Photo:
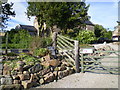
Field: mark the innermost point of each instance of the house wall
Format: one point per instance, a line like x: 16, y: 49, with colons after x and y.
x: 2, y: 34
x: 36, y: 25
x: 89, y: 27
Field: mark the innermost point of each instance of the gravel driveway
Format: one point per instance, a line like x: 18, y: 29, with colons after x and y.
x: 85, y: 80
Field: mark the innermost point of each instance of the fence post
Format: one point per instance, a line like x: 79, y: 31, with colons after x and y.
x: 6, y: 48
x: 77, y: 64
x: 1, y: 63
x: 55, y: 43
x: 82, y: 68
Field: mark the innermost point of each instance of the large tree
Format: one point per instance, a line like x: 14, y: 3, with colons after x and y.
x: 63, y: 14
x: 6, y: 11
x: 101, y: 32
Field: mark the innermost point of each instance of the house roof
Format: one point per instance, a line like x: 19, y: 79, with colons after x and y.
x: 26, y: 27
x: 89, y: 23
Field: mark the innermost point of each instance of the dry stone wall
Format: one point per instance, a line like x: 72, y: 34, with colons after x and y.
x: 38, y: 74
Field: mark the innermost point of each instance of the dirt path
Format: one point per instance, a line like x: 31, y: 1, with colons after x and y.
x: 85, y: 80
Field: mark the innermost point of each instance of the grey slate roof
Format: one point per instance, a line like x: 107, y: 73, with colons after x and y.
x: 89, y: 23
x: 27, y: 27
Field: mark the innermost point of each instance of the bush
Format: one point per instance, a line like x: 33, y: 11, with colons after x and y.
x: 12, y: 54
x: 86, y: 37
x: 40, y: 42
x: 41, y: 52
x: 17, y: 39
x: 11, y: 46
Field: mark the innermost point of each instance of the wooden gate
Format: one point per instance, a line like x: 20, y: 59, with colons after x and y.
x: 69, y: 49
x: 94, y: 62
x: 106, y: 63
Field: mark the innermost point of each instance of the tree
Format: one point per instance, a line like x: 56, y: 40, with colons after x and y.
x: 22, y: 38
x: 63, y: 14
x: 108, y: 34
x: 6, y: 11
x: 18, y: 38
x: 100, y: 31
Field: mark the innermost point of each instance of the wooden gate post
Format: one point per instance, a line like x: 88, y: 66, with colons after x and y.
x: 55, y: 43
x: 6, y: 48
x: 77, y: 64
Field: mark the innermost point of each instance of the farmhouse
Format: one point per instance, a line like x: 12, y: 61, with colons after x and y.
x: 34, y: 30
x: 31, y: 29
x: 2, y: 34
x: 116, y: 33
x: 89, y: 25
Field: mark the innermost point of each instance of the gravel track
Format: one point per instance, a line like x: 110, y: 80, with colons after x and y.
x: 85, y: 80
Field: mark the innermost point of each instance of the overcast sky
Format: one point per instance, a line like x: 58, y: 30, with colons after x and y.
x: 101, y: 12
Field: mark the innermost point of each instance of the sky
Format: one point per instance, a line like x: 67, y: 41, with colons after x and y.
x: 101, y: 12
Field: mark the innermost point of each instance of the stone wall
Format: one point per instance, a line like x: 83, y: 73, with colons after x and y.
x: 38, y: 74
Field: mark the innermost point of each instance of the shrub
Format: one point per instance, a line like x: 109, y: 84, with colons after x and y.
x: 12, y: 54
x: 40, y: 42
x: 41, y: 52
x: 86, y: 37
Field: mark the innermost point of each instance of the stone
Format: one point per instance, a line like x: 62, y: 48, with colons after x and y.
x: 56, y: 68
x: 1, y: 60
x: 55, y: 75
x: 6, y: 81
x: 60, y: 74
x: 14, y: 72
x: 41, y: 81
x: 15, y: 77
x: 21, y: 63
x: 24, y: 76
x: 27, y: 84
x: 34, y: 78
x: 71, y: 71
x: 35, y: 84
x: 49, y: 77
x: 54, y: 63
x: 44, y: 71
x: 19, y: 73
x: 1, y: 66
x: 1, y: 71
x: 26, y: 67
x: 20, y: 68
x: 47, y: 74
x: 6, y: 70
x: 16, y: 82
x: 36, y: 68
x: 45, y: 64
x: 65, y: 73
x: 25, y: 72
x: 11, y: 87
x: 47, y: 57
x: 102, y: 54
x: 62, y: 68
x: 7, y: 76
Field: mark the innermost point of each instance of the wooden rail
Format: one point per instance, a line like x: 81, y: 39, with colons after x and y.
x: 83, y: 62
x: 68, y: 48
x: 89, y: 63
